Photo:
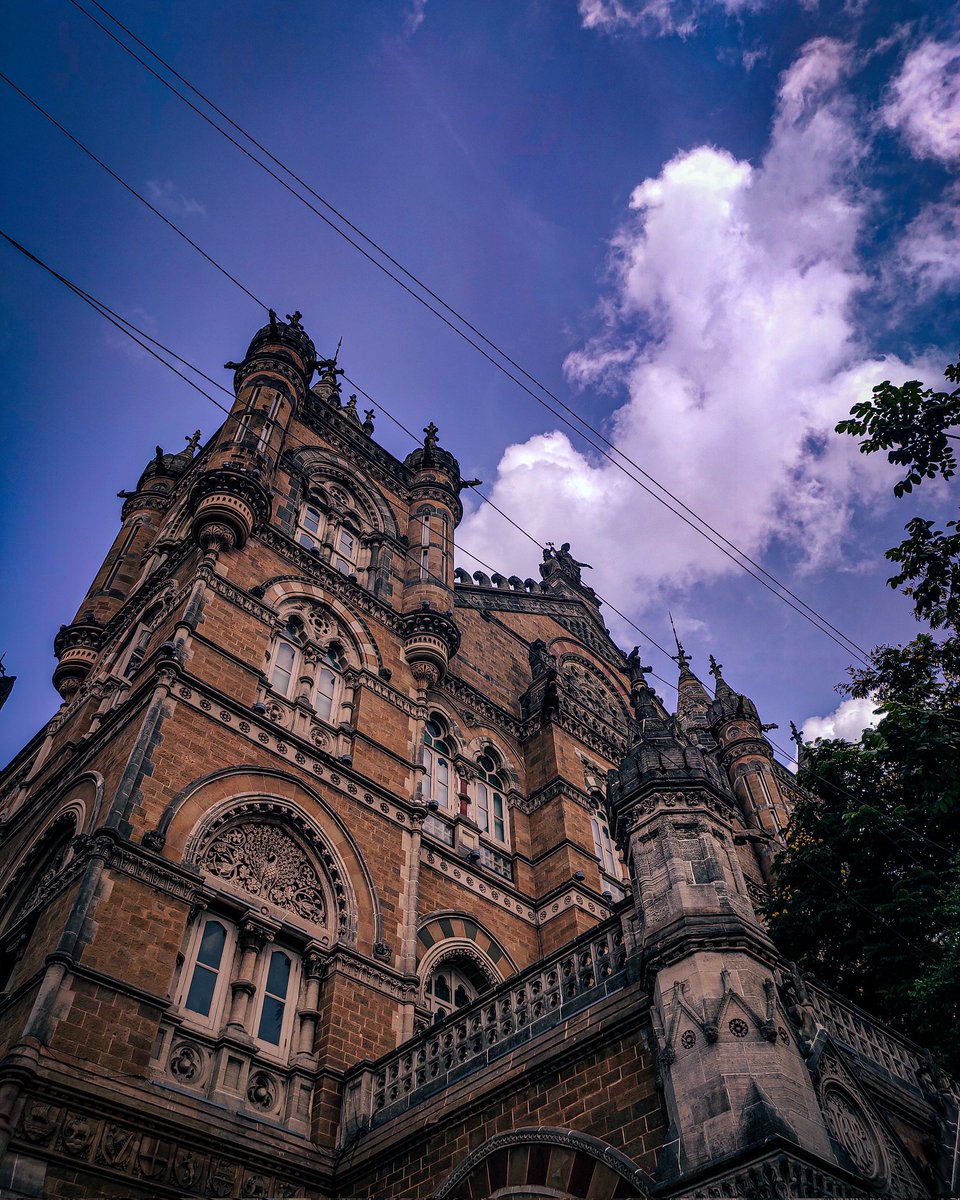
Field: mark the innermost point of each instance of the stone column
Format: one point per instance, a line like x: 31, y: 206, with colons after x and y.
x: 308, y: 1012
x: 253, y: 939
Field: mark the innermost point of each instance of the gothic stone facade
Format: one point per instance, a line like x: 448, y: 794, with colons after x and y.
x: 341, y: 873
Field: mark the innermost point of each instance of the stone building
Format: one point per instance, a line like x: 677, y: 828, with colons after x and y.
x: 342, y: 873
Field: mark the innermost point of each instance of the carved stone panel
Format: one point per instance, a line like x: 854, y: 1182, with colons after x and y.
x: 266, y: 862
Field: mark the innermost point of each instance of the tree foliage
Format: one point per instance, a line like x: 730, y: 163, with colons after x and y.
x: 868, y: 891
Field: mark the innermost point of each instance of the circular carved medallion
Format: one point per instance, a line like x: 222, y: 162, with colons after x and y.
x: 851, y: 1129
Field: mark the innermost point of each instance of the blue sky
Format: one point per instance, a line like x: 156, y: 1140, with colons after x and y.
x: 709, y: 227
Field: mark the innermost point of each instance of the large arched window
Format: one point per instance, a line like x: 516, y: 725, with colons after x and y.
x: 304, y: 651
x: 436, y: 763
x: 489, y: 805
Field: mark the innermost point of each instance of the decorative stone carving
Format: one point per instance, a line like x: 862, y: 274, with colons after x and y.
x: 186, y: 1063
x: 265, y: 861
x: 116, y: 1147
x: 851, y: 1129
x: 262, y: 1091
x: 77, y: 1134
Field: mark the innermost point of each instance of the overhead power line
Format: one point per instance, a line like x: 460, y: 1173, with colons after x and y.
x: 141, y: 338
x: 739, y: 557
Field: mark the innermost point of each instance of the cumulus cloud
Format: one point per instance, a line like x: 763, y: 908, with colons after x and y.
x: 655, y: 16
x: 928, y: 255
x: 848, y: 721
x: 924, y: 101
x: 165, y: 194
x: 729, y: 329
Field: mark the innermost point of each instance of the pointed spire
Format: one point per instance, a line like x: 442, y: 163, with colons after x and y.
x: 693, y: 699
x: 723, y: 688
x: 681, y: 658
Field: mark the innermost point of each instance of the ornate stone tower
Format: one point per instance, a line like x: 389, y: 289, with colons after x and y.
x: 311, y: 889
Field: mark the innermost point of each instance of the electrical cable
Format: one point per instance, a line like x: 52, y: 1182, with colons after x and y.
x: 449, y: 308
x: 121, y: 324
x: 802, y: 608
x: 123, y: 183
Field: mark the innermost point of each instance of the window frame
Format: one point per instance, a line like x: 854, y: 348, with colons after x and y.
x: 291, y: 998
x: 495, y: 823
x: 214, y: 1017
x: 436, y: 754
x: 604, y: 849
x: 330, y: 660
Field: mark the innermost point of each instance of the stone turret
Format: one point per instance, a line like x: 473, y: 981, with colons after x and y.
x: 731, y: 1084
x: 231, y: 497
x: 77, y: 645
x: 431, y: 637
x: 747, y: 757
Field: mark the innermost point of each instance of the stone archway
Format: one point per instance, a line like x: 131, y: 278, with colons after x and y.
x: 545, y: 1164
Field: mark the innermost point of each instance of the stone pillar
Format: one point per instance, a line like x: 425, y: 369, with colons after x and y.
x: 308, y: 1012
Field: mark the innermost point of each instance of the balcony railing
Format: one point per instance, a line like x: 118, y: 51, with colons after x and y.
x: 861, y: 1034
x: 517, y: 1011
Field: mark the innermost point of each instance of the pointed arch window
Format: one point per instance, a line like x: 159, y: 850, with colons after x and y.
x: 328, y: 520
x: 449, y: 988
x: 436, y: 762
x: 490, y: 809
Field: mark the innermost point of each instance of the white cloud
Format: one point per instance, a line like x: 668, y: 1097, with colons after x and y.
x: 928, y: 255
x: 655, y: 16
x: 415, y: 17
x: 848, y: 721
x: 729, y: 329
x: 924, y: 101
x: 165, y: 194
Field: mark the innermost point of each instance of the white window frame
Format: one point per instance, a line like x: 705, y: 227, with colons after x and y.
x: 448, y: 1006
x: 221, y: 991
x: 290, y: 1003
x: 307, y: 536
x: 486, y: 799
x: 604, y: 848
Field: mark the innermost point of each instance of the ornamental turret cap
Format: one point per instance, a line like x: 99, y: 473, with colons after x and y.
x: 289, y: 333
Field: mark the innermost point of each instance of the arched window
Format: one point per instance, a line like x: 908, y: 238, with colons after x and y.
x: 490, y: 810
x: 309, y: 527
x: 297, y: 653
x: 436, y: 763
x: 450, y: 987
x: 327, y: 519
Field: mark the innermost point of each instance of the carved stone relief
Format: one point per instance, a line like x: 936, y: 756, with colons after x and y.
x: 848, y: 1124
x: 264, y: 861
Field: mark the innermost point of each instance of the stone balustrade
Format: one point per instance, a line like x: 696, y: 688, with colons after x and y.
x: 863, y: 1035
x: 517, y: 1011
